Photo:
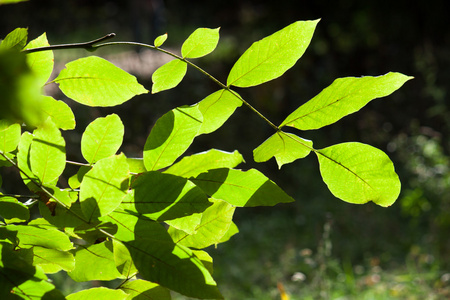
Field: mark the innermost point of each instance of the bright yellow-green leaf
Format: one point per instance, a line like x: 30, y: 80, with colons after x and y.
x: 168, y: 75
x: 160, y: 40
x: 200, y: 43
x: 359, y: 173
x: 16, y: 39
x: 343, y: 97
x: 141, y: 289
x: 191, y: 166
x: 285, y: 147
x: 171, y: 136
x: 41, y: 63
x: 75, y: 180
x: 52, y: 261
x: 102, y: 138
x: 216, y: 109
x: 9, y: 136
x: 241, y: 188
x: 100, y: 293
x: 59, y: 112
x: 11, y: 1
x: 94, y: 81
x: 47, y: 153
x: 30, y: 236
x: 23, y: 160
x: 272, y: 56
x: 122, y: 258
x: 104, y: 186
x: 187, y: 224
x: 13, y: 211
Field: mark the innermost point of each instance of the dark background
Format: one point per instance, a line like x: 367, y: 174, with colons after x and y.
x: 318, y: 236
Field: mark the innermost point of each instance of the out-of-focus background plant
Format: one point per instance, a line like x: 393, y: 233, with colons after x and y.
x: 317, y: 247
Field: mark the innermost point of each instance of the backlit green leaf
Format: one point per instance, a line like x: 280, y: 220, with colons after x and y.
x: 168, y: 75
x: 160, y: 40
x: 102, y: 138
x: 343, y: 97
x: 13, y: 211
x: 94, y: 81
x: 216, y: 109
x: 95, y: 262
x: 187, y: 224
x: 104, y: 186
x: 75, y: 180
x: 163, y: 197
x: 9, y: 136
x: 241, y: 188
x: 122, y: 258
x: 136, y: 165
x: 286, y: 147
x: 171, y: 136
x: 48, y: 153
x: 16, y: 39
x: 231, y: 231
x: 191, y: 166
x: 30, y: 236
x: 358, y: 173
x: 52, y: 261
x: 200, y: 43
x: 59, y: 112
x: 272, y: 56
x: 142, y: 290
x: 216, y: 221
x: 100, y: 293
x: 23, y: 160
x: 41, y: 63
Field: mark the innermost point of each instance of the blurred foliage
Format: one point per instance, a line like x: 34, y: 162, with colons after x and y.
x: 353, y: 38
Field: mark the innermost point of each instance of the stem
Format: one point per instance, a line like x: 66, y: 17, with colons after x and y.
x: 77, y: 163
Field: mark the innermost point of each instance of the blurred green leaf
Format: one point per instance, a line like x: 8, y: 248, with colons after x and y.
x: 343, y: 97
x: 104, y: 186
x: 359, y: 173
x: 11, y: 1
x: 216, y: 109
x: 99, y: 293
x: 272, y: 56
x: 286, y: 147
x: 200, y: 43
x: 102, y: 138
x: 191, y: 166
x: 241, y: 188
x: 94, y: 81
x: 168, y: 75
x: 171, y: 136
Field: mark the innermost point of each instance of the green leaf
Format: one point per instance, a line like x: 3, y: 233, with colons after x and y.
x: 9, y: 136
x: 16, y: 39
x: 216, y: 109
x: 52, y: 261
x: 136, y: 165
x: 160, y: 40
x: 102, y: 138
x: 187, y: 224
x: 205, y: 258
x: 59, y: 112
x: 159, y: 259
x: 358, y: 173
x: 231, y: 231
x: 48, y: 153
x: 122, y: 259
x: 191, y: 166
x: 30, y: 236
x: 241, y: 188
x: 41, y: 63
x: 75, y: 180
x: 23, y: 160
x: 343, y: 97
x: 168, y: 75
x: 13, y: 211
x: 171, y: 136
x: 104, y: 187
x: 286, y: 147
x: 59, y: 216
x: 145, y: 290
x: 200, y: 43
x: 94, y: 81
x: 100, y: 293
x: 10, y: 1
x: 164, y: 196
x: 95, y: 262
x: 216, y: 221
x: 272, y: 56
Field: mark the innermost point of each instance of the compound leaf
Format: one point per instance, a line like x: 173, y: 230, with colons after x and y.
x: 241, y: 188
x: 272, y: 56
x: 286, y: 147
x: 200, y: 43
x: 172, y: 134
x: 94, y: 81
x: 168, y: 75
x: 343, y: 97
x: 358, y: 173
x: 102, y: 138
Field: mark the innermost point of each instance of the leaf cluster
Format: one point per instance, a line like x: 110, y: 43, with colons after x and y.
x: 154, y: 216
